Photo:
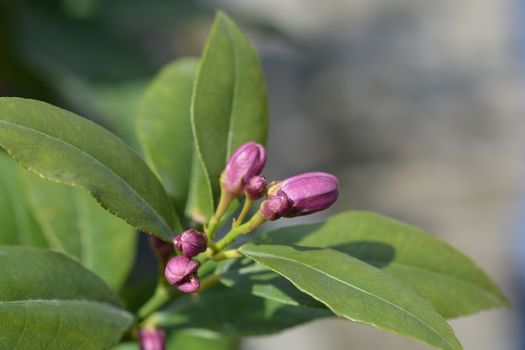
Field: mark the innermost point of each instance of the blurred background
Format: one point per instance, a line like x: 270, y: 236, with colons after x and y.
x: 417, y: 106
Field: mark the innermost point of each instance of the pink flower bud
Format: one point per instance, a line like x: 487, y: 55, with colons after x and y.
x: 256, y: 187
x: 151, y: 339
x: 247, y: 161
x: 191, y: 242
x: 180, y: 268
x: 275, y: 207
x: 189, y: 284
x: 308, y: 193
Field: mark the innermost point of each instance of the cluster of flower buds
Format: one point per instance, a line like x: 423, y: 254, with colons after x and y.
x: 181, y: 271
x: 298, y: 195
x: 151, y: 339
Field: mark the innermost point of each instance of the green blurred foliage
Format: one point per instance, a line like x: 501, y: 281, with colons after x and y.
x: 90, y: 56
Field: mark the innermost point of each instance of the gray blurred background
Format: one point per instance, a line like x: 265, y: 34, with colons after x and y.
x: 417, y: 106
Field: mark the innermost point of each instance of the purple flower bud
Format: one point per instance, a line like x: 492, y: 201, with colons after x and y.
x: 247, y: 161
x: 191, y: 242
x: 308, y: 193
x: 180, y: 267
x: 256, y: 187
x: 151, y: 339
x: 189, y: 284
x: 275, y: 207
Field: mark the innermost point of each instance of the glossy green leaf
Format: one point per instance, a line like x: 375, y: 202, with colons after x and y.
x: 17, y: 223
x: 436, y: 271
x: 48, y: 301
x: 229, y: 104
x: 200, y: 207
x: 164, y: 127
x: 73, y: 222
x: 233, y: 312
x: 63, y: 147
x: 258, y: 280
x: 356, y: 291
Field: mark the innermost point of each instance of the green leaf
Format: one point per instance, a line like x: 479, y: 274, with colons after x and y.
x: 233, y: 312
x: 356, y: 291
x: 439, y: 273
x: 229, y: 104
x: 255, y: 278
x: 17, y: 223
x: 164, y: 127
x: 74, y: 223
x: 63, y: 147
x: 48, y: 301
x: 200, y: 206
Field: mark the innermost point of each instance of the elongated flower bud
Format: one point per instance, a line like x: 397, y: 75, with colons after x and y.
x: 307, y: 193
x: 179, y: 268
x: 275, y: 207
x: 247, y: 161
x: 151, y: 339
x: 256, y: 187
x: 191, y: 242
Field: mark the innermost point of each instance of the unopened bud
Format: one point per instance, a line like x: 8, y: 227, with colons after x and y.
x: 179, y: 268
x: 275, y: 207
x: 247, y: 161
x: 151, y: 339
x: 256, y: 187
x: 191, y: 242
x: 189, y: 284
x: 307, y: 193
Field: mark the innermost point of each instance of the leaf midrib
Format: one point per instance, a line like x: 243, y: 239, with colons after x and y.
x: 143, y: 203
x: 263, y: 255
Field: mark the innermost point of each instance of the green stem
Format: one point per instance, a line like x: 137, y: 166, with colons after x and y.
x: 224, y: 203
x: 162, y: 296
x: 245, y: 210
x: 227, y: 254
x: 235, y: 232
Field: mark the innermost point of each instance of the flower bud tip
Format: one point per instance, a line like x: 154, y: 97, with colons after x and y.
x: 256, y: 187
x: 247, y: 161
